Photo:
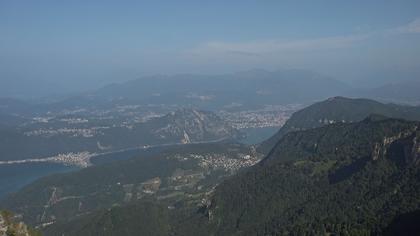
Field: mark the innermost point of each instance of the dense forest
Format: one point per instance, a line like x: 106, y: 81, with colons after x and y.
x: 339, y: 110
x: 346, y: 179
x: 342, y: 179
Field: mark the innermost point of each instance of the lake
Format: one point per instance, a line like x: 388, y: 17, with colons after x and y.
x: 257, y: 135
x: 15, y: 176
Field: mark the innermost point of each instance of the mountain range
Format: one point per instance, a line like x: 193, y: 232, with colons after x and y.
x: 356, y: 178
x: 396, y: 92
x: 246, y: 90
x: 209, y: 92
x: 336, y: 171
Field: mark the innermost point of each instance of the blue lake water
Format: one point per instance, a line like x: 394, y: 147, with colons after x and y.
x: 15, y: 176
x: 257, y: 135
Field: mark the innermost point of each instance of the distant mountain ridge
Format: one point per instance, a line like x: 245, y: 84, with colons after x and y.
x: 407, y: 90
x: 213, y: 92
x: 248, y: 88
x: 339, y: 110
x: 266, y: 87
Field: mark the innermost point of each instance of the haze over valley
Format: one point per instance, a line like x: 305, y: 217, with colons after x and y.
x: 211, y: 118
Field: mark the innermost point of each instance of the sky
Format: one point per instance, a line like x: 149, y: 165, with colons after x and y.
x: 86, y: 44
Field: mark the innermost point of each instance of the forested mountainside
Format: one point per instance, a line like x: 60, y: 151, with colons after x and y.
x: 346, y: 179
x: 358, y: 178
x: 339, y: 110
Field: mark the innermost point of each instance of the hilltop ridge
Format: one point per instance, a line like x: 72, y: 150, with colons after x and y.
x: 339, y: 110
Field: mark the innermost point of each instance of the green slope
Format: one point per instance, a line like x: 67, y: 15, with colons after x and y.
x: 147, y: 218
x: 340, y: 179
x: 186, y: 173
x: 343, y: 179
x: 339, y: 110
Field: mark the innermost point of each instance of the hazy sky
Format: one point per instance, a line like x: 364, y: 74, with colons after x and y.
x: 67, y: 42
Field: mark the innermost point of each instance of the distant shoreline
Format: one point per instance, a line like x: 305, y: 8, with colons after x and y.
x: 82, y: 159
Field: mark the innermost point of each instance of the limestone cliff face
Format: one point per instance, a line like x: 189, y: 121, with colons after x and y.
x: 408, y: 142
x: 381, y: 148
x: 195, y: 126
x: 412, y: 150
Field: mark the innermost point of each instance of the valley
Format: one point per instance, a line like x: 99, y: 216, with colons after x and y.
x: 78, y: 138
x: 195, y: 179
x: 73, y: 136
x: 209, y: 118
